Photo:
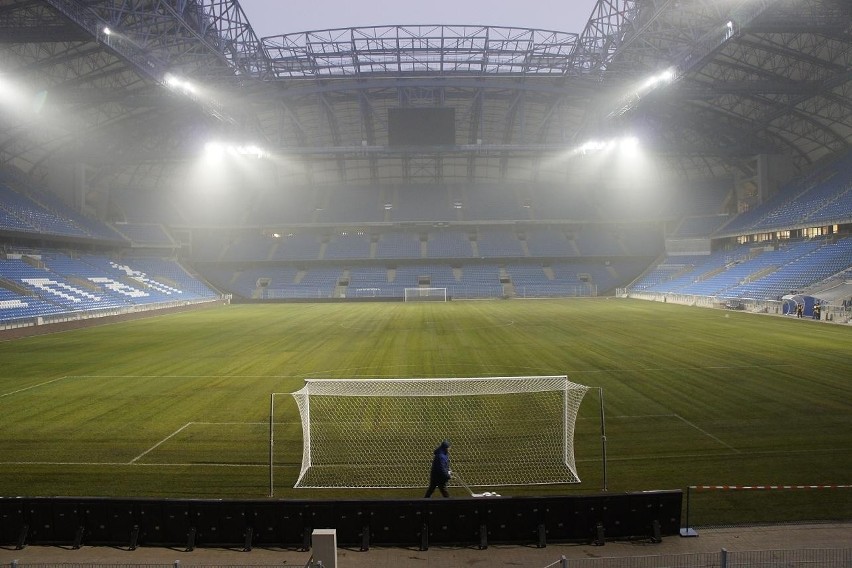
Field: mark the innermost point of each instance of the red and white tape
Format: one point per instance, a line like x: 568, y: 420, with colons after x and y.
x: 763, y: 487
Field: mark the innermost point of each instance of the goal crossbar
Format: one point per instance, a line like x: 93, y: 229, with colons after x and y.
x: 435, y: 387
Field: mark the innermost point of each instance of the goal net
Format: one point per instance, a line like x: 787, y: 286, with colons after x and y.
x: 382, y: 432
x: 425, y: 294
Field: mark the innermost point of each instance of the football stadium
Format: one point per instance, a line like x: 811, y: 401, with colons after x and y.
x: 252, y: 287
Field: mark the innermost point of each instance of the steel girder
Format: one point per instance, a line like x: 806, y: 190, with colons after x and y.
x: 760, y: 84
x: 204, y: 39
x: 95, y: 80
x: 748, y: 65
x: 421, y: 50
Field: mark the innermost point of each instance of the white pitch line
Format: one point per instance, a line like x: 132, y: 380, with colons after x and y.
x: 625, y: 416
x: 841, y: 451
x: 183, y: 376
x: 706, y: 433
x: 164, y: 440
x: 711, y: 368
x: 230, y: 423
x: 61, y: 463
x: 32, y: 387
x: 208, y: 464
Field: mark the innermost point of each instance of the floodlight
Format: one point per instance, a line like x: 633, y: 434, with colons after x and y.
x: 214, y: 149
x: 628, y: 143
x: 592, y: 145
x: 665, y: 77
x: 251, y: 150
x: 179, y: 84
x: 107, y: 31
x: 649, y: 83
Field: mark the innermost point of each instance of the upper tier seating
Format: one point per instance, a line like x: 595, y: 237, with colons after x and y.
x: 819, y: 196
x: 348, y: 246
x: 451, y: 243
x: 550, y: 241
x: 498, y: 242
x: 26, y: 208
x: 398, y: 245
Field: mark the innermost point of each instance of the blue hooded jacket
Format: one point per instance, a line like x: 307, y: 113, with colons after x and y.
x: 440, y: 472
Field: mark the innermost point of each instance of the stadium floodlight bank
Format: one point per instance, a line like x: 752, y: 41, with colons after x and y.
x: 380, y: 433
x: 425, y: 294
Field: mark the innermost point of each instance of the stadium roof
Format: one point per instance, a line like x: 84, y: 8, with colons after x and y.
x: 133, y: 90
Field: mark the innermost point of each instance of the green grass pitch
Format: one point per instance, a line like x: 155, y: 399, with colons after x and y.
x: 177, y: 405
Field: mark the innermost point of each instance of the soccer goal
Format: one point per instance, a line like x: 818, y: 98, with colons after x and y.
x: 381, y: 433
x: 425, y: 294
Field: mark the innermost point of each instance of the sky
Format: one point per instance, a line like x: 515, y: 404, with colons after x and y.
x: 277, y: 17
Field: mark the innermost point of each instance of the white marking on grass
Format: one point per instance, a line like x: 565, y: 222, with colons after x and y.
x: 179, y: 430
x: 705, y: 432
x: 678, y: 416
x: 229, y: 423
x: 711, y: 367
x: 182, y: 376
x: 211, y: 464
x: 624, y: 416
x: 432, y: 323
x: 61, y: 463
x: 158, y: 444
x: 352, y: 372
x: 126, y: 464
x: 32, y: 386
x: 841, y: 451
x: 609, y: 458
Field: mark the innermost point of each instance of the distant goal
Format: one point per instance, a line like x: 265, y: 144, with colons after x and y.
x: 380, y: 433
x: 425, y: 294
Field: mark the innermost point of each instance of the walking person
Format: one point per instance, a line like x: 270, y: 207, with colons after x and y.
x: 440, y: 473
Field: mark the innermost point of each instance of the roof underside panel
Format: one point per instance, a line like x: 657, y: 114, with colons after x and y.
x: 747, y: 77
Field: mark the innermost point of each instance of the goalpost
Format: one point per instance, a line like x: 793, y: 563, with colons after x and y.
x: 425, y: 295
x: 380, y: 433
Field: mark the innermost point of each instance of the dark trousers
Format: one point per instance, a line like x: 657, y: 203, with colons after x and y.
x: 439, y: 485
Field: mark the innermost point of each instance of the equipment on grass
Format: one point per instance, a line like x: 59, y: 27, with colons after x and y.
x: 381, y: 432
x: 425, y: 295
x: 469, y: 490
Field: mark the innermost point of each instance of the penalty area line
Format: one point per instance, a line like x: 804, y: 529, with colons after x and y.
x: 32, y: 387
x: 161, y: 442
x: 706, y: 433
